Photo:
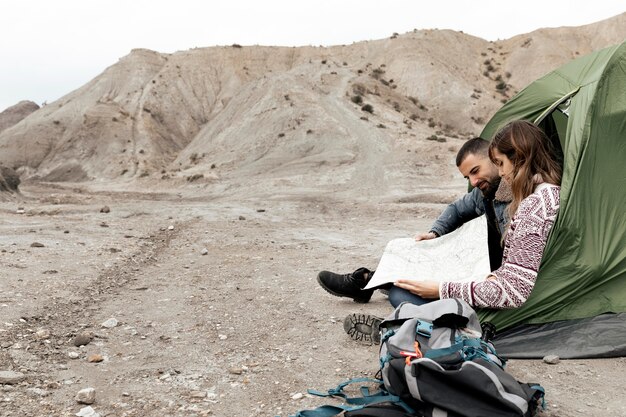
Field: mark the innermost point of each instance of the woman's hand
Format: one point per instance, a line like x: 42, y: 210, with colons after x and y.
x: 425, y: 289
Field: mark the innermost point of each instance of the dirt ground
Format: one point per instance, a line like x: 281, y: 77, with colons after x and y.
x: 217, y: 305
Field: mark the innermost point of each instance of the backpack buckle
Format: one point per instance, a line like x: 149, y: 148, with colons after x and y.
x: 423, y: 328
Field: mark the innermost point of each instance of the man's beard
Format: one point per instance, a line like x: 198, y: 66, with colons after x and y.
x: 490, y: 191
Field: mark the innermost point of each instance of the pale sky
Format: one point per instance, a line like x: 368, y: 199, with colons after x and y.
x: 51, y: 47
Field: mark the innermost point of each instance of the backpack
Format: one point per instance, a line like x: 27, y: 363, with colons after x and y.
x: 435, y: 363
x: 433, y: 358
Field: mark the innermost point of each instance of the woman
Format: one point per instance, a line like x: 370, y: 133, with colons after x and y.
x: 525, y: 159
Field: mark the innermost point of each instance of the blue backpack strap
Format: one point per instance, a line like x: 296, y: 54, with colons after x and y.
x: 338, y: 391
x: 324, y: 411
x: 381, y: 396
x: 541, y: 393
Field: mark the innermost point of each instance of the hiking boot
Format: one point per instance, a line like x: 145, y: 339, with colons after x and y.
x: 347, y: 285
x: 363, y: 327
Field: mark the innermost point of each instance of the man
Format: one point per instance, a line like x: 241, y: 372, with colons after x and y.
x: 487, y: 197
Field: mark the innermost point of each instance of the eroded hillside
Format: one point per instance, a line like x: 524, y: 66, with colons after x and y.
x: 342, y: 118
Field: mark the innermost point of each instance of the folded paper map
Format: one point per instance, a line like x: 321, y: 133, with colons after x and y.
x: 456, y: 256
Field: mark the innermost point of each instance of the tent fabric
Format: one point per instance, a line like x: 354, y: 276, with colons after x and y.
x: 583, y: 269
x: 594, y: 337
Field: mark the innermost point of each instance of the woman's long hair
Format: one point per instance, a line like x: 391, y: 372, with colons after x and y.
x: 532, y: 155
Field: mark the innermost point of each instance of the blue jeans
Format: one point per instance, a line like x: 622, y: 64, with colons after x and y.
x: 398, y: 295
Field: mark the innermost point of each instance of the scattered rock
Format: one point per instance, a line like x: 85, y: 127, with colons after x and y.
x: 110, y: 323
x: 551, y: 359
x: 20, y: 210
x: 105, y: 209
x: 42, y: 334
x: 10, y: 377
x: 235, y: 371
x: 87, y: 412
x: 198, y: 394
x: 222, y: 337
x: 73, y: 355
x: 86, y: 396
x: 297, y: 396
x: 37, y: 245
x: 37, y: 392
x: 95, y: 358
x: 103, y: 224
x: 82, y: 339
x: 170, y: 227
x: 204, y: 251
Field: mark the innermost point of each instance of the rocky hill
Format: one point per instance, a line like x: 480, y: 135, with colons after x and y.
x: 348, y: 119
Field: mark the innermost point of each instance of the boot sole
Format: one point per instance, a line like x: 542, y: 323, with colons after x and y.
x: 363, y: 328
x: 331, y: 292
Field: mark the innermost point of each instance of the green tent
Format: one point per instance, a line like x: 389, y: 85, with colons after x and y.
x: 580, y: 291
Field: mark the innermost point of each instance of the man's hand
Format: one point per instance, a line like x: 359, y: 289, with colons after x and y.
x: 425, y: 289
x: 425, y: 236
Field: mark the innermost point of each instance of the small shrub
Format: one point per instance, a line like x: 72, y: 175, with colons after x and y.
x: 236, y: 45
x: 413, y: 117
x: 396, y: 106
x: 357, y: 99
x: 323, y: 61
x: 381, y: 126
x: 431, y: 123
x: 193, y: 158
x: 368, y: 108
x: 281, y: 135
x: 194, y: 177
x: 359, y: 89
x: 414, y: 100
x: 501, y: 86
x: 377, y: 72
x: 309, y: 131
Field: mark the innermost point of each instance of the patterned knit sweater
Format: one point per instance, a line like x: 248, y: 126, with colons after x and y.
x: 510, y: 285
